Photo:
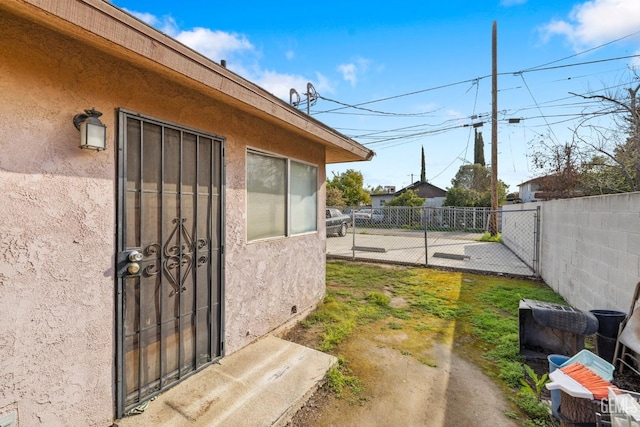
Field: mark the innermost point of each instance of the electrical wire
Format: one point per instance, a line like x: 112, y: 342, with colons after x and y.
x: 521, y: 72
x: 584, y: 51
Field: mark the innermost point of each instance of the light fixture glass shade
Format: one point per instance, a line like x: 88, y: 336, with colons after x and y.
x: 93, y: 135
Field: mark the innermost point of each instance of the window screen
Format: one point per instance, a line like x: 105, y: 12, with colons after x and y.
x: 303, y: 198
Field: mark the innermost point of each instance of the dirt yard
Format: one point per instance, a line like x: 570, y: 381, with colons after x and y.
x: 400, y: 390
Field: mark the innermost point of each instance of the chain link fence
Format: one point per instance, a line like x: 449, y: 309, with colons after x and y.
x: 456, y: 238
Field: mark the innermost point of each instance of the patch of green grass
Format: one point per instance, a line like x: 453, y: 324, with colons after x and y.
x: 533, y: 408
x: 400, y: 314
x: 340, y: 378
x: 392, y: 325
x: 510, y: 372
x: 487, y: 237
x: 511, y: 414
x: 491, y: 326
x: 336, y: 333
x: 378, y: 298
x: 428, y: 362
x: 436, y: 306
x: 340, y: 293
x: 507, y: 296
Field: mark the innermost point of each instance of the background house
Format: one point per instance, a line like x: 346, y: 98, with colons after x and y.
x: 381, y: 198
x: 435, y: 196
x: 528, y: 189
x: 127, y: 270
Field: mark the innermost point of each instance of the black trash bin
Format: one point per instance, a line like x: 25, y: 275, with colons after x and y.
x: 608, y: 324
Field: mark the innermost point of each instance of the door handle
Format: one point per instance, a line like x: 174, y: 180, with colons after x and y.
x: 129, y: 262
x: 134, y: 257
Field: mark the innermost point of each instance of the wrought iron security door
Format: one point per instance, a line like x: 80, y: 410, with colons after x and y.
x: 169, y: 257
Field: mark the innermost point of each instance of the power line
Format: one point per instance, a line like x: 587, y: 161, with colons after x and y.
x: 539, y: 109
x: 584, y: 51
x: 477, y: 79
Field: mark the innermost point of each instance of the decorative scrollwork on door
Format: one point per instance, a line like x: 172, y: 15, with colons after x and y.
x: 176, y: 259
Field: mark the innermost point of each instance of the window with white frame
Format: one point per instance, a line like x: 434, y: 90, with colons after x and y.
x: 281, y: 196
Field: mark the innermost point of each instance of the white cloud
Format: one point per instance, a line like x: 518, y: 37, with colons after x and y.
x: 165, y: 24
x: 240, y: 53
x: 352, y: 71
x: 215, y: 45
x: 595, y: 22
x: 348, y: 73
x: 144, y: 17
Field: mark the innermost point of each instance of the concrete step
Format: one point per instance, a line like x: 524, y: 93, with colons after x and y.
x: 263, y: 384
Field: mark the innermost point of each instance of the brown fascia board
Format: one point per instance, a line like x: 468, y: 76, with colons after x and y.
x: 101, y: 24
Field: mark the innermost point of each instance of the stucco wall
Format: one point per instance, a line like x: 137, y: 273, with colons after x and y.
x: 57, y: 338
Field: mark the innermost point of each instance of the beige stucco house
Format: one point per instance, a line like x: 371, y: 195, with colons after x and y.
x: 196, y: 231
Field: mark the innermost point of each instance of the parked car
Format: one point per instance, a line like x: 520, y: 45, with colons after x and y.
x: 337, y: 222
x: 369, y: 215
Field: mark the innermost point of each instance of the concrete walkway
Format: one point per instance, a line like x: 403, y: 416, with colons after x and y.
x: 263, y: 384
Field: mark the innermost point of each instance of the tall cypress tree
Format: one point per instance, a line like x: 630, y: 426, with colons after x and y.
x: 478, y: 149
x: 423, y: 171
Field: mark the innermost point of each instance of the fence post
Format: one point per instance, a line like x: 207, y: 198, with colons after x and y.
x: 426, y: 245
x: 536, y: 233
x: 353, y: 242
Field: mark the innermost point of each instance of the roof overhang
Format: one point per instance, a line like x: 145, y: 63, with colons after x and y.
x: 106, y: 27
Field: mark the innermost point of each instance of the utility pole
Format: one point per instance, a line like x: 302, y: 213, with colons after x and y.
x: 493, y: 224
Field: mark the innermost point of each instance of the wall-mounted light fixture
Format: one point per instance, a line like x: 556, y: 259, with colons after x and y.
x: 93, y: 134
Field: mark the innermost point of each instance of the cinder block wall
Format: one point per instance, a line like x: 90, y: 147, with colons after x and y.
x: 590, y: 249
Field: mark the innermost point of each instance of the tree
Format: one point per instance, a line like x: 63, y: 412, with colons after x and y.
x: 334, y: 198
x: 471, y: 187
x: 473, y: 177
x: 351, y: 184
x: 423, y: 170
x: 458, y: 196
x: 478, y: 149
x: 561, y: 165
x: 602, y: 176
x: 378, y: 190
x: 602, y: 157
x: 407, y: 198
x: 620, y: 144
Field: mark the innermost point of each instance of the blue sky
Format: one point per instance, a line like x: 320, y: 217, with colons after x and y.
x: 415, y: 74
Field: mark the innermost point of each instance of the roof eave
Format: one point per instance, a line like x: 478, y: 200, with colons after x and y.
x: 103, y: 25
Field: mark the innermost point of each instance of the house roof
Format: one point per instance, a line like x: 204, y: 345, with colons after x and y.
x: 424, y: 190
x: 533, y: 180
x: 106, y: 27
